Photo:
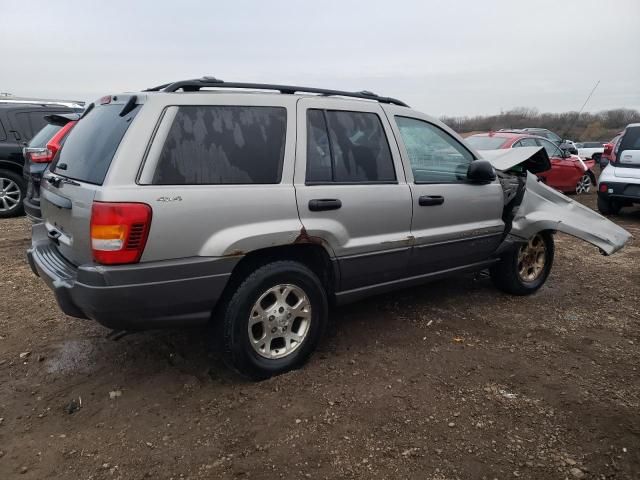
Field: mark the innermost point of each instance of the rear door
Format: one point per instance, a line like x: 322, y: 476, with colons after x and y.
x: 455, y: 223
x: 67, y: 191
x: 351, y: 190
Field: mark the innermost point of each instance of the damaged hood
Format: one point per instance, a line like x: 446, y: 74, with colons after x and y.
x: 543, y: 208
x: 531, y: 159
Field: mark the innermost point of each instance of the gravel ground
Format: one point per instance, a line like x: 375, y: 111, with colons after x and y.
x: 450, y: 380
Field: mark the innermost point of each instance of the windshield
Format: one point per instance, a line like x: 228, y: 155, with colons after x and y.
x: 43, y: 136
x: 92, y: 143
x: 486, y: 143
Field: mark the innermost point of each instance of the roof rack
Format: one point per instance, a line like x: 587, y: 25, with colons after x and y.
x: 211, y: 82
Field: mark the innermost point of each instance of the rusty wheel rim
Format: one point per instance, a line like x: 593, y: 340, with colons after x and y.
x: 532, y: 258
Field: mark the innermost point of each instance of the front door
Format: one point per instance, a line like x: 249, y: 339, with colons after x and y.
x: 455, y: 223
x: 351, y: 190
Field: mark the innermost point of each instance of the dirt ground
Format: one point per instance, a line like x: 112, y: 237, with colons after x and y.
x: 450, y: 380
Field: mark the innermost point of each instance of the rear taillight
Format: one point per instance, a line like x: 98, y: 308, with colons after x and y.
x: 119, y: 231
x: 46, y: 155
x: 603, y: 187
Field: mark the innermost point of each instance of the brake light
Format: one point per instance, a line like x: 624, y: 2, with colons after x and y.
x: 119, y: 231
x: 603, y: 187
x: 54, y: 145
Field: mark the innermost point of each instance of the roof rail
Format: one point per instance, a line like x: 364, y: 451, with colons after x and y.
x: 210, y: 82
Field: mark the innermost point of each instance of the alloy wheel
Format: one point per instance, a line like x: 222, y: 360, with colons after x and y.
x: 10, y: 195
x: 532, y: 258
x: 279, y: 321
x: 584, y: 184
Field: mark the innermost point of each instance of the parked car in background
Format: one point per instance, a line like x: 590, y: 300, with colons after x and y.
x: 39, y: 153
x: 619, y: 184
x: 553, y: 137
x: 593, y: 150
x: 608, y: 154
x: 19, y: 122
x: 255, y: 211
x: 568, y: 172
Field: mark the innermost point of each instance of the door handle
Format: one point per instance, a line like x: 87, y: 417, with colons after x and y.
x: 429, y: 200
x: 320, y: 204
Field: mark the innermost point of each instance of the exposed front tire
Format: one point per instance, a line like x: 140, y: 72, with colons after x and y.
x: 525, y: 268
x: 608, y: 206
x: 12, y: 191
x: 274, y: 320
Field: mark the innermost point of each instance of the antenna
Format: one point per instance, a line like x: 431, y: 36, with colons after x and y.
x: 578, y: 115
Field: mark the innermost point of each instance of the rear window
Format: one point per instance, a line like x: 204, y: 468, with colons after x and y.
x: 92, y: 143
x: 216, y: 145
x: 485, y: 143
x: 41, y: 138
x: 630, y: 140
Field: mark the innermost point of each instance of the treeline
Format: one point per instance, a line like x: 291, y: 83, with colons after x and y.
x: 571, y: 125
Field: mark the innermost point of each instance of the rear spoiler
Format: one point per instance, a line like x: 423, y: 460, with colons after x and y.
x: 61, y: 119
x: 531, y: 159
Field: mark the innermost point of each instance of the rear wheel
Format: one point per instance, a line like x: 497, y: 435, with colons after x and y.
x: 525, y: 268
x: 274, y: 320
x: 12, y: 190
x: 608, y: 206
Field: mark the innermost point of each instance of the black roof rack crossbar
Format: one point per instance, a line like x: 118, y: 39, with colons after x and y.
x: 210, y: 82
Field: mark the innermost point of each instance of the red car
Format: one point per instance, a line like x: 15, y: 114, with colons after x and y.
x: 568, y: 173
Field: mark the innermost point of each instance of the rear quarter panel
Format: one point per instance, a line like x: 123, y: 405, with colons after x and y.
x: 204, y: 220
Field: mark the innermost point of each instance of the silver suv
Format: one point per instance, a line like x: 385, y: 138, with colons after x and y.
x: 256, y: 207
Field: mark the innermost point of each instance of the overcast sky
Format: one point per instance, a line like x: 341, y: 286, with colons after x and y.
x: 442, y: 57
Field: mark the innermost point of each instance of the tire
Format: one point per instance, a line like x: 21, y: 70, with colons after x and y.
x: 12, y: 192
x: 511, y: 274
x: 584, y: 184
x: 608, y: 206
x: 285, y: 282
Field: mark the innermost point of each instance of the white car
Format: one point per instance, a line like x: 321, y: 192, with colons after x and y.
x: 592, y: 150
x: 619, y: 183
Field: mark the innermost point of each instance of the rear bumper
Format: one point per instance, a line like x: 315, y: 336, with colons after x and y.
x: 172, y: 293
x: 621, y: 190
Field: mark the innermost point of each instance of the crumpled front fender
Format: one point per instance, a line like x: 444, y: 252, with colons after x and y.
x: 543, y: 208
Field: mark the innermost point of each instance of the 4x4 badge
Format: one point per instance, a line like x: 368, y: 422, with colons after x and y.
x: 169, y: 199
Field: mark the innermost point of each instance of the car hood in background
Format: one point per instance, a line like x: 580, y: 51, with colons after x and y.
x: 530, y: 159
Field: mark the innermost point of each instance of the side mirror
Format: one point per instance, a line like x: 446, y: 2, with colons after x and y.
x: 481, y: 172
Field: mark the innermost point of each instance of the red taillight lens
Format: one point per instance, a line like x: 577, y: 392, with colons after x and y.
x: 119, y: 231
x: 43, y: 155
x: 603, y: 187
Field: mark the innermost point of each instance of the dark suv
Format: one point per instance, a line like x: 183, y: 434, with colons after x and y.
x: 19, y: 122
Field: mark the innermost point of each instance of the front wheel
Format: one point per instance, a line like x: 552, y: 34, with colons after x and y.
x: 274, y: 320
x: 12, y: 190
x: 525, y: 268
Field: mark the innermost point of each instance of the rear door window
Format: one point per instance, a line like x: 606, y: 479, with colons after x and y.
x: 347, y: 147
x: 93, y: 142
x: 551, y: 148
x: 216, y: 145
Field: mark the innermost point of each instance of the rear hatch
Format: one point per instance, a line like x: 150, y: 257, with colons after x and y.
x: 79, y: 170
x: 628, y: 154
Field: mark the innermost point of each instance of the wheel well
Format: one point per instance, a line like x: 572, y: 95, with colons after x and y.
x: 314, y: 256
x: 11, y: 167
